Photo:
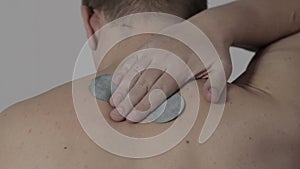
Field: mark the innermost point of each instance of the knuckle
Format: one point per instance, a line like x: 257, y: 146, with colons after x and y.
x: 143, y: 106
x: 136, y: 94
x: 121, y: 92
x: 135, y: 71
x: 133, y: 99
x: 127, y: 104
x: 127, y: 65
x: 143, y: 83
x: 163, y: 87
x: 125, y: 84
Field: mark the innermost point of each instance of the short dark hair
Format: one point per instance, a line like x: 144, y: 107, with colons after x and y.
x: 114, y: 9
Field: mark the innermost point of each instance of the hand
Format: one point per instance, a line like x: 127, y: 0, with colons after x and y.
x: 139, y: 77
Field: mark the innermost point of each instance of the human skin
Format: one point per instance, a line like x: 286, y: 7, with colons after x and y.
x: 245, y: 23
x: 259, y: 129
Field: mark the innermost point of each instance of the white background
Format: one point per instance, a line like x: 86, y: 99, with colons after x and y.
x: 40, y: 41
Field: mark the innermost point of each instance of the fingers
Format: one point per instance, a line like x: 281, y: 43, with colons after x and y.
x: 148, y: 104
x: 160, y: 91
x: 136, y: 93
x: 215, y: 86
x: 213, y: 89
x: 121, y: 72
x: 127, y: 79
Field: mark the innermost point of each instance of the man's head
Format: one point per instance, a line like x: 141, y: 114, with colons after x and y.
x: 117, y: 8
x: 97, y: 13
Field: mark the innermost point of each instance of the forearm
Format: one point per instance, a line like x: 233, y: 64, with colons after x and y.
x: 252, y: 23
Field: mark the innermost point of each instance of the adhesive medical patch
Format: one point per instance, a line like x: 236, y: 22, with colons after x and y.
x: 102, y: 88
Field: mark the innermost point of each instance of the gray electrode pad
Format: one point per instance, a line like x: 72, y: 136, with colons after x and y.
x: 102, y: 88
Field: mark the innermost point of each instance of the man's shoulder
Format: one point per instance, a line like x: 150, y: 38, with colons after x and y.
x: 41, y: 126
x: 57, y: 98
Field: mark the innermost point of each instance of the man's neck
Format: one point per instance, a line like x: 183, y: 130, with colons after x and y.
x: 112, y: 35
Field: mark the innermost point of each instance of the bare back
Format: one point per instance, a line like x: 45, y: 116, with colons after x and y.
x: 259, y: 129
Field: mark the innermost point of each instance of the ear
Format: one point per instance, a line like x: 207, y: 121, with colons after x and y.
x: 87, y: 15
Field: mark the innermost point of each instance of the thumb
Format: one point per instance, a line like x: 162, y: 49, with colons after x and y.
x: 214, y: 89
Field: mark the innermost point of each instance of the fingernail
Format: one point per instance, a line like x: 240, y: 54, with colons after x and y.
x: 116, y: 98
x: 214, y: 95
x: 114, y: 115
x: 117, y: 79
